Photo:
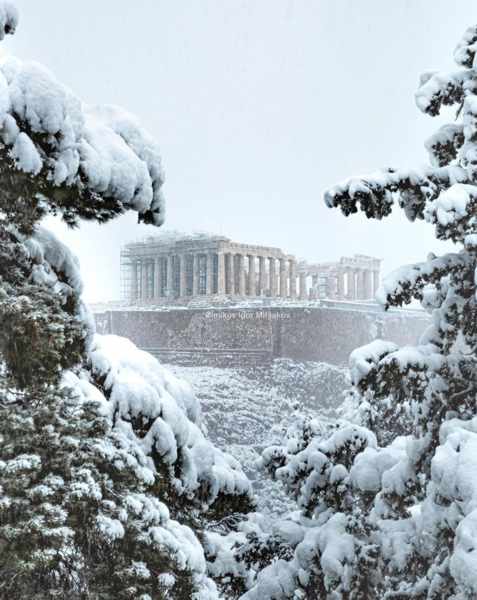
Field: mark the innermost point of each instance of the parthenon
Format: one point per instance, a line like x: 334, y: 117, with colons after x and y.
x: 175, y: 268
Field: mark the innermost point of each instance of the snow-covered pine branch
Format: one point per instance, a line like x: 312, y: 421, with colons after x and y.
x: 83, y: 162
x: 411, y: 282
x: 161, y: 414
x: 464, y: 54
x: 376, y: 195
x: 444, y: 145
x: 8, y: 19
x: 442, y: 89
x: 453, y: 213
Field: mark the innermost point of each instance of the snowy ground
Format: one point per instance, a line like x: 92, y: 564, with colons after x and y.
x: 246, y: 409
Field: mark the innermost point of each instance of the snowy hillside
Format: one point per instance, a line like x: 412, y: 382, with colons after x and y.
x: 248, y: 409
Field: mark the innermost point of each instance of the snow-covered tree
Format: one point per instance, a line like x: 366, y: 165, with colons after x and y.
x: 435, y: 383
x: 392, y: 514
x: 107, y: 480
x: 324, y: 548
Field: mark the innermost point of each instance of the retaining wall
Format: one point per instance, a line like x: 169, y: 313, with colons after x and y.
x: 325, y: 333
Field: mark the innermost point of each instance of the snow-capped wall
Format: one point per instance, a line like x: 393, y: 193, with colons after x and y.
x: 317, y: 334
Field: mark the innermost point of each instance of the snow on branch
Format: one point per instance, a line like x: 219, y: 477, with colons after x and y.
x: 464, y: 54
x: 375, y: 195
x: 52, y: 258
x: 388, y: 369
x: 91, y: 162
x: 441, y: 89
x: 364, y: 359
x: 469, y: 151
x: 453, y: 213
x: 408, y: 282
x: 8, y: 19
x: 444, y: 145
x: 452, y: 494
x: 323, y: 465
x: 162, y: 414
x: 139, y: 510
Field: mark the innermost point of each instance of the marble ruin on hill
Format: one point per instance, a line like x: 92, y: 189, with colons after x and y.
x: 175, y: 268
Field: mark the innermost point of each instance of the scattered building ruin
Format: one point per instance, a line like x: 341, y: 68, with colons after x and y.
x: 351, y: 278
x: 175, y: 268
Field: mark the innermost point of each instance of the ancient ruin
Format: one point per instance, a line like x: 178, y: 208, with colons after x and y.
x: 176, y: 268
x: 223, y: 336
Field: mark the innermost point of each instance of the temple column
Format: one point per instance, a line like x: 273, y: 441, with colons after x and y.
x: 169, y: 277
x: 303, y: 290
x: 332, y: 285
x: 229, y: 274
x: 262, y: 276
x: 182, y: 275
x: 134, y: 286
x: 340, y: 285
x: 209, y: 282
x: 252, y: 281
x: 156, y: 278
x: 292, y: 266
x: 221, y: 273
x: 360, y: 293
x: 351, y: 284
x: 375, y: 282
x: 240, y: 275
x: 143, y: 280
x: 368, y: 284
x: 283, y: 278
x: 315, y: 292
x: 195, y: 275
x: 273, y: 277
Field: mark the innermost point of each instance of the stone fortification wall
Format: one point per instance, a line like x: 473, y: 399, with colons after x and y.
x: 325, y: 333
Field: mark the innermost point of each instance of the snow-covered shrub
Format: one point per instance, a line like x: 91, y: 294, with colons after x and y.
x: 107, y: 480
x: 392, y: 514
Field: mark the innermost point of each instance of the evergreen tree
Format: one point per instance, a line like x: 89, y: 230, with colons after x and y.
x: 392, y: 514
x: 106, y: 478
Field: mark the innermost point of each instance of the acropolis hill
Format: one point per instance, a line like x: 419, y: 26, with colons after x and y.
x: 204, y: 299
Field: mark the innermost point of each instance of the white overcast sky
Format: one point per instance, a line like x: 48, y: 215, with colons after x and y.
x: 258, y: 106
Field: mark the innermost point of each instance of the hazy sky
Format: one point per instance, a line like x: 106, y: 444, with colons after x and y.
x: 258, y: 106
